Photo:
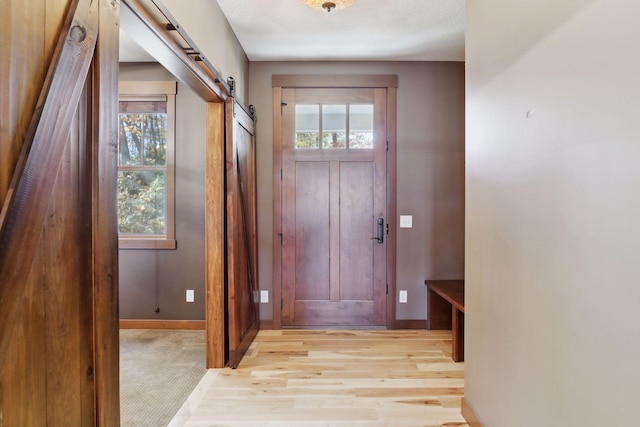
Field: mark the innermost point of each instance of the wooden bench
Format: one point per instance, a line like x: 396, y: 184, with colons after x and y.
x: 445, y: 305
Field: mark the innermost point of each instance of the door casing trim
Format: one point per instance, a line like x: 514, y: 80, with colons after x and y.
x: 388, y: 82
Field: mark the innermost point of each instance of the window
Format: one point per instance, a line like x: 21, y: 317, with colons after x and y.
x: 146, y: 132
x: 346, y: 126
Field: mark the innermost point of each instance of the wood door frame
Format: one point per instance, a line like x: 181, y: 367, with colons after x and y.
x: 296, y: 81
x: 144, y: 25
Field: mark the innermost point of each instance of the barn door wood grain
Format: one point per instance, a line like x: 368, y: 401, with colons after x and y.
x: 242, y: 249
x: 58, y: 247
x: 334, y: 223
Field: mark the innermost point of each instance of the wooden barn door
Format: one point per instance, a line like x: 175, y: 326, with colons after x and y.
x: 58, y: 238
x: 242, y: 249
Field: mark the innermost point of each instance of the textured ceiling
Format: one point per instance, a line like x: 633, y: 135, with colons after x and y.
x: 386, y: 30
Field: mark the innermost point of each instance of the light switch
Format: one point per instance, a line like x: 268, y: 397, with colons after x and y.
x: 406, y: 221
x: 264, y: 297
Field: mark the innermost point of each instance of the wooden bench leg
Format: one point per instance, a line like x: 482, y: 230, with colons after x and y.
x: 438, y: 311
x: 457, y: 332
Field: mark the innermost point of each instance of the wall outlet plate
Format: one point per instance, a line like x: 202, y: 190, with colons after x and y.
x: 264, y: 297
x: 402, y: 297
x: 190, y: 295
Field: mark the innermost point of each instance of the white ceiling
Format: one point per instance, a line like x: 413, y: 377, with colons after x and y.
x: 377, y: 30
x: 384, y: 30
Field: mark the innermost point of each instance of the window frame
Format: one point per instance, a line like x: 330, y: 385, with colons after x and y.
x: 151, y: 91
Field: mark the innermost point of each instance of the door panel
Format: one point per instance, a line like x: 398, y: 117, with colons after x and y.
x: 312, y: 237
x: 357, y: 227
x: 333, y: 192
x: 339, y: 313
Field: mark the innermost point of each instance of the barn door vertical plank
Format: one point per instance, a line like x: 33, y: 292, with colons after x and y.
x: 64, y: 263
x: 105, y: 233
x: 22, y: 390
x: 87, y: 394
x: 20, y: 31
x: 24, y: 210
x: 235, y: 276
x: 242, y: 272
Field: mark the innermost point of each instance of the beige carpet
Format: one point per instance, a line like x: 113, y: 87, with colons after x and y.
x: 158, y: 371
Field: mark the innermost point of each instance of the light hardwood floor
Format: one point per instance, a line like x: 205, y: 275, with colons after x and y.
x: 334, y: 378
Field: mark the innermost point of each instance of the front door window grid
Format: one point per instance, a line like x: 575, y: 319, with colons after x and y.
x: 342, y: 126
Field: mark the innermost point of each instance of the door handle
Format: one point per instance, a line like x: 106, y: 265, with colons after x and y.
x: 380, y: 236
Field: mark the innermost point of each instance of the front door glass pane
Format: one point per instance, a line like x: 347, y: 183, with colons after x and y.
x: 360, y: 126
x: 334, y: 126
x: 307, y: 126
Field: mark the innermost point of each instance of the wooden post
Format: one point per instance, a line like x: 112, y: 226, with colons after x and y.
x: 215, y: 238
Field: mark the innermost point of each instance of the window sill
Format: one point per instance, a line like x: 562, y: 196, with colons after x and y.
x: 135, y: 243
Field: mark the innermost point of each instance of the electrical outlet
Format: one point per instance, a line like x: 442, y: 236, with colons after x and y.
x: 264, y: 297
x: 402, y: 298
x: 190, y: 295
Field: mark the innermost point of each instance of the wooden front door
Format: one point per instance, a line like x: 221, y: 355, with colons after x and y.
x: 334, y: 223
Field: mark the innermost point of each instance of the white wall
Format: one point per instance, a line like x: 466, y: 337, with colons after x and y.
x: 552, y: 210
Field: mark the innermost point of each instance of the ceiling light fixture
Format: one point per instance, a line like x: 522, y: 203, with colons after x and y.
x: 328, y: 5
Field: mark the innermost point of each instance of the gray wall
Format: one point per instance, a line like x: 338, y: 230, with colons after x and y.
x: 430, y: 168
x: 208, y: 28
x: 150, y: 277
x: 552, y: 236
x: 165, y: 275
